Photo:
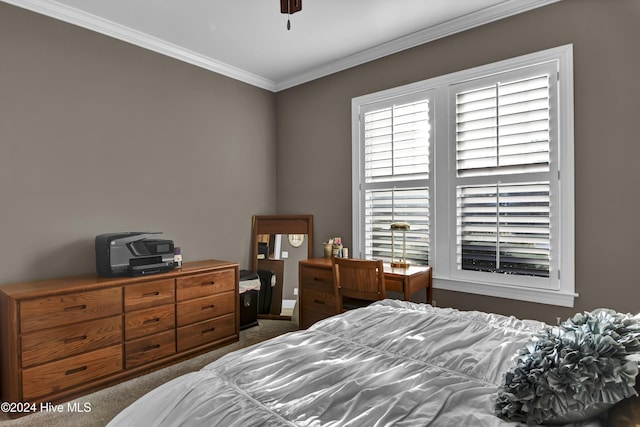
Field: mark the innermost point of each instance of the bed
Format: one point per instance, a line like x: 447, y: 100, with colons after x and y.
x: 391, y: 363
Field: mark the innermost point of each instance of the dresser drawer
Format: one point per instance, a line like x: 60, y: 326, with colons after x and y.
x: 70, y: 372
x: 60, y: 310
x: 318, y: 278
x: 193, y: 311
x: 149, y: 321
x: 200, y: 285
x: 321, y: 302
x: 52, y: 344
x: 143, y: 350
x: 206, y: 332
x: 148, y: 294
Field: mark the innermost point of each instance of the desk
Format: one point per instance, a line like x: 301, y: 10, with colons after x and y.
x: 317, y: 299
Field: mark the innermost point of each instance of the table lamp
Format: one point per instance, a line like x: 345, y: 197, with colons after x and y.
x: 402, y: 261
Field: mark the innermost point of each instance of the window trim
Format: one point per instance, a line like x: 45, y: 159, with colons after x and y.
x: 441, y: 252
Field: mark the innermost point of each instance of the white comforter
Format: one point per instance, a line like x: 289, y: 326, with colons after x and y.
x: 392, y: 363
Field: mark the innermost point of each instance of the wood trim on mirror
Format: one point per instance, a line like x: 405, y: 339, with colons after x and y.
x: 281, y: 224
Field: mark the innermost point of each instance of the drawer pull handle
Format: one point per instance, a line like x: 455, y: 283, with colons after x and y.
x: 206, y: 331
x: 211, y: 283
x: 151, y: 347
x: 208, y: 307
x: 76, y: 307
x: 76, y: 370
x: 148, y: 321
x: 320, y: 279
x: 74, y: 339
x: 319, y: 301
x: 151, y: 294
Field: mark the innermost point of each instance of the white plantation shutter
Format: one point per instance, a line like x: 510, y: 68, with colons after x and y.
x: 396, y: 143
x: 396, y: 173
x: 503, y: 132
x: 503, y: 128
x: 405, y: 205
x: 504, y: 228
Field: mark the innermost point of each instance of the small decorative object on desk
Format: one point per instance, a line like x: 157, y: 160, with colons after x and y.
x: 328, y: 249
x: 401, y: 262
x: 333, y: 247
x: 177, y: 257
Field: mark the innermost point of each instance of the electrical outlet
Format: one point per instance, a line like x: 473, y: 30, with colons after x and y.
x: 285, y: 254
x: 295, y: 291
x: 433, y: 303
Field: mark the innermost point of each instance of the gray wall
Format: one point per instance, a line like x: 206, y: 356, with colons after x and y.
x: 314, y: 139
x: 97, y: 136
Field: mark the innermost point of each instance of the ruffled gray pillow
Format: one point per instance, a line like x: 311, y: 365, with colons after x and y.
x: 574, y: 371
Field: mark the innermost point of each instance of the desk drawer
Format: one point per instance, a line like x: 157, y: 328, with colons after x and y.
x: 205, y: 308
x: 322, y: 302
x: 143, y: 350
x: 52, y: 344
x: 321, y: 278
x: 393, y: 284
x: 49, y: 312
x: 70, y: 372
x: 149, y: 294
x: 200, y: 285
x: 149, y: 321
x: 206, y: 332
x: 310, y: 317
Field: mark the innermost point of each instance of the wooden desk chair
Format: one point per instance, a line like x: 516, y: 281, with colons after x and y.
x: 357, y: 282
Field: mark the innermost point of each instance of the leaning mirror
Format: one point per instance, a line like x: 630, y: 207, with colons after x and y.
x: 279, y: 243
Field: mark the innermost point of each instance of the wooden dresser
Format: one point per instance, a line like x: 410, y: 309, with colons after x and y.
x: 67, y: 337
x: 317, y: 297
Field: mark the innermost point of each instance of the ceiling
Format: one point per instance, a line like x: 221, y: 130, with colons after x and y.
x: 248, y: 40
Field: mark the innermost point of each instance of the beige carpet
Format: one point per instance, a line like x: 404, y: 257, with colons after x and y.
x: 107, y: 403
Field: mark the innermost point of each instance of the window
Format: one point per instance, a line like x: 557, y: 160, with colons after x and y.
x: 479, y: 163
x: 503, y: 171
x: 395, y: 181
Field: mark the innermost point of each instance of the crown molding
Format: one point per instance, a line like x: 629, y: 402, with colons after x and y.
x: 467, y: 22
x: 95, y: 23
x: 76, y: 17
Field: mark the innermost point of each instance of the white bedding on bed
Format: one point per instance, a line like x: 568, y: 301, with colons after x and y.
x: 392, y: 363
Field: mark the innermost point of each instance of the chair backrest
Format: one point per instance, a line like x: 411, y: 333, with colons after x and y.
x: 358, y: 279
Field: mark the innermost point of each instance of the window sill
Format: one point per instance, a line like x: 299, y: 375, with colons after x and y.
x: 541, y: 296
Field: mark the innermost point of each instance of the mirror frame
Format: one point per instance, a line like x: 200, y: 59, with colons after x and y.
x: 281, y: 224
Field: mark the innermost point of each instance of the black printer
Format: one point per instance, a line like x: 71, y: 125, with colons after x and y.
x: 133, y: 253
